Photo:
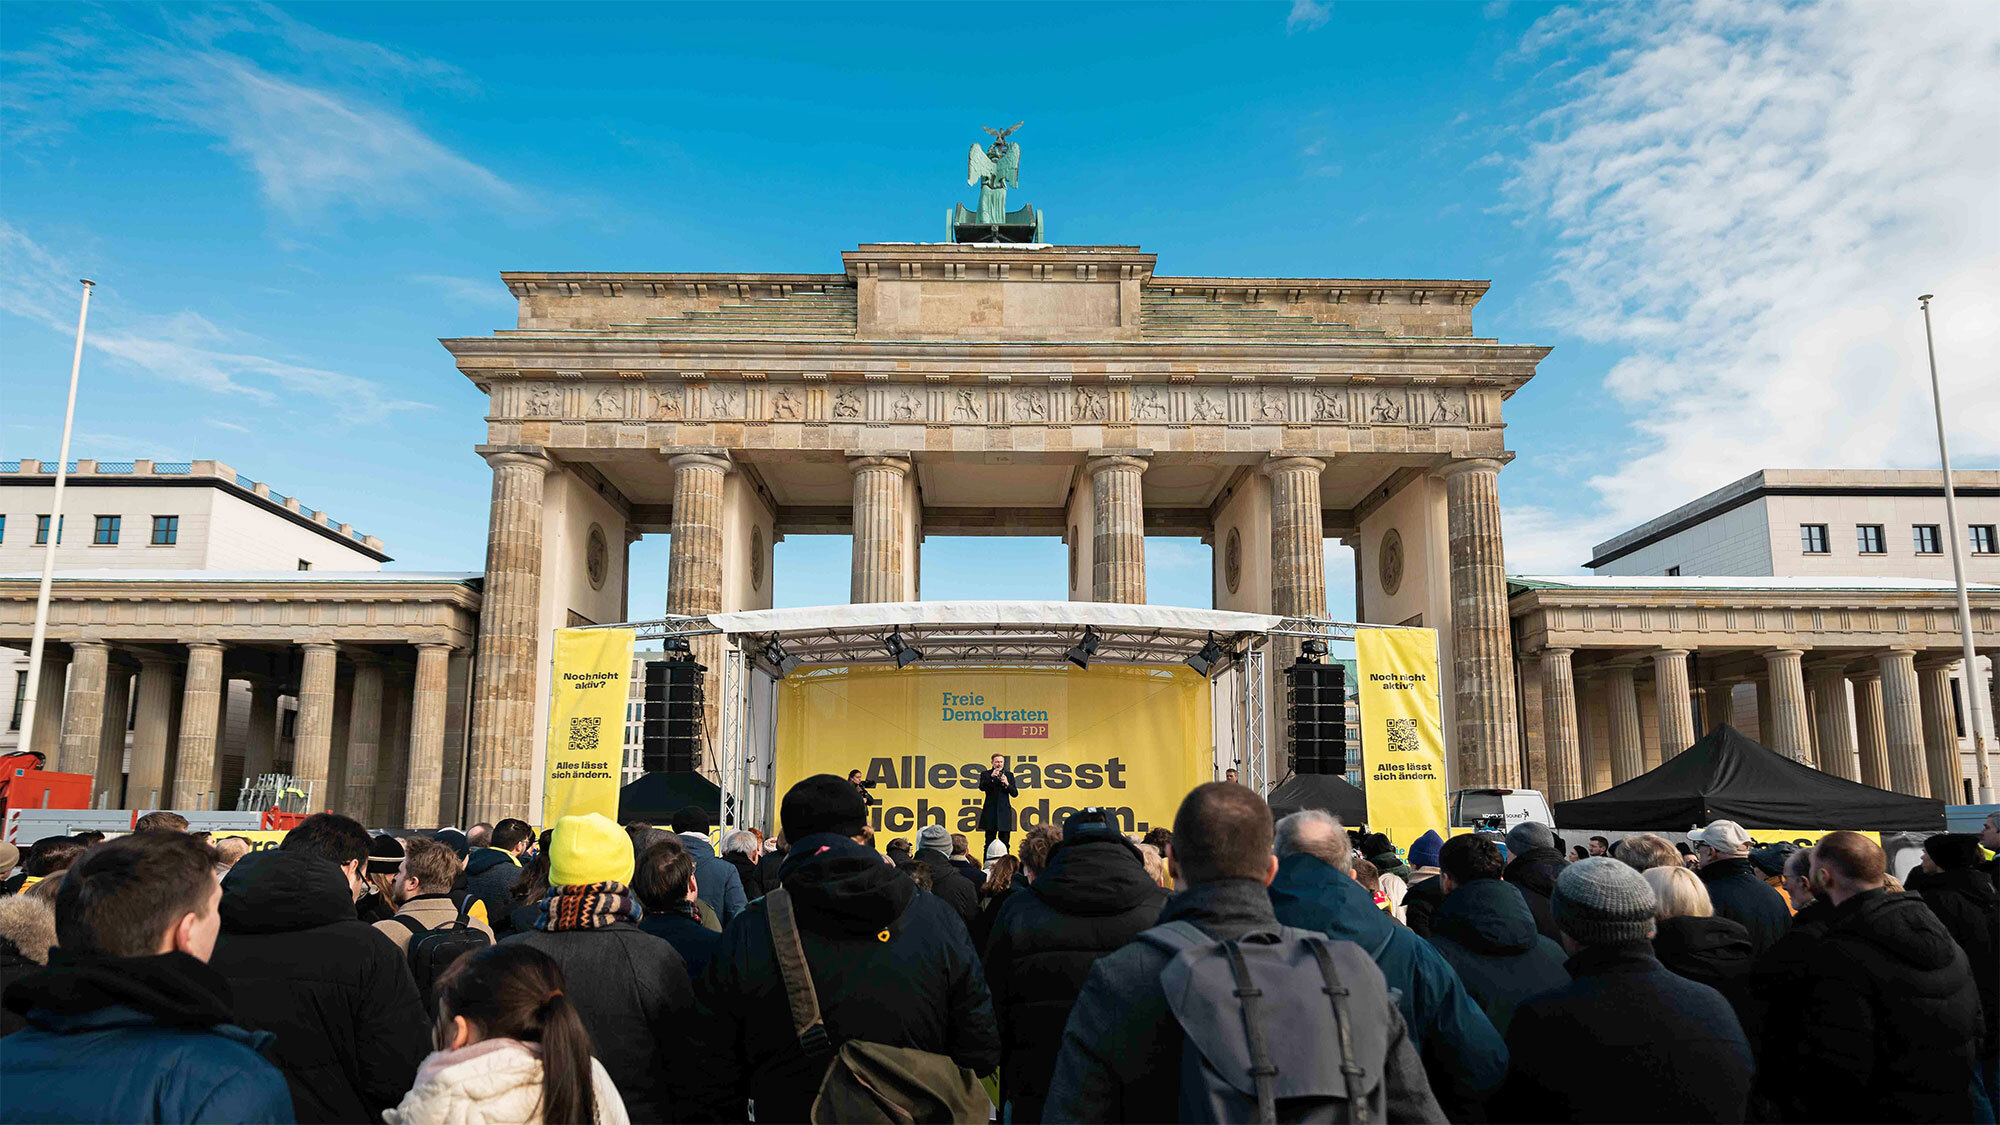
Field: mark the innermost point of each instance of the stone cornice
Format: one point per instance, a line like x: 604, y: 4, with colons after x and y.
x: 1328, y: 290
x: 144, y: 612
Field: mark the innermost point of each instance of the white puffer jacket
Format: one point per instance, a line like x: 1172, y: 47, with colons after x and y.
x: 492, y: 1082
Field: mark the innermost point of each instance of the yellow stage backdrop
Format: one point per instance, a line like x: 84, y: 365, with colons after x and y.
x: 1130, y: 738
x: 587, y: 696
x: 1402, y: 732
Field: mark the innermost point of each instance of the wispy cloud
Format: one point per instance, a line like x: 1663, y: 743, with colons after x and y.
x: 1748, y: 199
x: 1308, y: 15
x: 276, y: 94
x: 182, y: 347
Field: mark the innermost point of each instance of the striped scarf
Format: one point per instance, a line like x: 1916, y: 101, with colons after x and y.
x: 587, y: 906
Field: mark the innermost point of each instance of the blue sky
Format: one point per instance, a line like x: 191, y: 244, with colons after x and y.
x: 1717, y: 215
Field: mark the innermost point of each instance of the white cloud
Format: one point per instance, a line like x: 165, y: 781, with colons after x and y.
x: 1308, y: 15
x: 310, y: 144
x: 181, y: 347
x: 1749, y: 198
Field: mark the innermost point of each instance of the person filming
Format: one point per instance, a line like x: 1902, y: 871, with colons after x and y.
x: 996, y: 819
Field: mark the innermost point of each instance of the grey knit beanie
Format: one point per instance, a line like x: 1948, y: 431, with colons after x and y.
x: 1529, y: 835
x: 936, y: 837
x: 1600, y: 900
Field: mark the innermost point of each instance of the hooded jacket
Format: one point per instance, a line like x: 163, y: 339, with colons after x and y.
x: 1740, y: 893
x: 1715, y: 952
x: 27, y: 933
x: 1964, y: 900
x: 1778, y: 978
x: 493, y: 1082
x: 1093, y: 897
x: 490, y: 874
x: 715, y: 879
x: 1121, y: 1050
x: 1887, y: 1003
x: 920, y: 987
x: 337, y: 994
x: 1485, y: 931
x: 1534, y: 873
x: 947, y: 883
x: 1466, y: 1058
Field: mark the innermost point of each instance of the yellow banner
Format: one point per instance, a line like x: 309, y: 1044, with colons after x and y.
x: 1127, y: 738
x: 1402, y: 732
x: 587, y: 698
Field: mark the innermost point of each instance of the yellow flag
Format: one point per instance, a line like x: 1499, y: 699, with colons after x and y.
x: 1402, y: 732
x: 586, y: 722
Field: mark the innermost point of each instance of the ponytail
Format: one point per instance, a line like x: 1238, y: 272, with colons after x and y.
x: 514, y: 991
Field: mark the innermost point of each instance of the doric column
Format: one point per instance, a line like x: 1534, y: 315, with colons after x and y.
x: 1481, y: 643
x: 1903, y: 723
x: 195, y: 773
x: 1676, y: 707
x: 425, y: 793
x: 260, y: 736
x: 1941, y: 760
x: 1622, y: 700
x: 83, y: 711
x: 1870, y: 744
x: 1534, y: 738
x: 1764, y: 732
x: 503, y: 717
x: 1790, y: 733
x: 148, y: 782
x: 1832, y: 720
x: 1298, y: 541
x: 110, y: 770
x: 312, y: 731
x: 694, y: 560
x: 364, y: 741
x: 1559, y: 726
x: 879, y: 542
x: 49, y: 705
x: 456, y: 697
x: 1118, y: 543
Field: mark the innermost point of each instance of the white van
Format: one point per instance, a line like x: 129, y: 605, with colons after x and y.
x: 1496, y: 809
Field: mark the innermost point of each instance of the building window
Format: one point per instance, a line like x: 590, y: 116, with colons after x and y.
x: 1982, y: 538
x: 20, y: 698
x: 1926, y: 537
x: 3, y: 529
x: 1673, y: 572
x: 42, y: 529
x: 106, y: 533
x: 1868, y: 537
x: 166, y: 530
x: 289, y: 728
x: 1812, y: 538
x: 305, y: 564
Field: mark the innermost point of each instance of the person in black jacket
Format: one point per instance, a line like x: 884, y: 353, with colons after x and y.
x: 1735, y: 887
x: 664, y: 883
x: 1486, y: 932
x: 1778, y: 978
x: 1693, y: 942
x: 1963, y: 898
x: 1532, y: 867
x: 491, y: 871
x: 996, y: 784
x: 1425, y: 892
x: 337, y: 993
x: 958, y: 892
x: 1089, y: 895
x: 889, y: 965
x: 1887, y: 1015
x: 739, y: 848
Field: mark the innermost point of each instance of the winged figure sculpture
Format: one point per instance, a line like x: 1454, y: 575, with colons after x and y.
x: 994, y: 169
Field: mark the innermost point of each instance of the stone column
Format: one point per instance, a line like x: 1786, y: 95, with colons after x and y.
x: 110, y: 756
x: 47, y: 736
x: 1118, y: 542
x: 1298, y: 541
x: 457, y: 695
x: 879, y: 545
x: 503, y: 716
x: 1833, y: 721
x: 424, y: 795
x: 147, y: 785
x: 1676, y: 706
x: 1903, y: 723
x: 1765, y: 731
x: 1941, y: 760
x: 196, y: 773
x: 1871, y: 747
x: 1481, y: 642
x: 1790, y: 734
x: 694, y: 580
x: 1622, y: 699
x: 1534, y: 737
x: 312, y: 731
x: 260, y: 738
x: 1717, y: 699
x: 83, y: 711
x: 1559, y: 726
x: 364, y: 741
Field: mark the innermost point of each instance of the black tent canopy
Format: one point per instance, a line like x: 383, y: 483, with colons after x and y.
x: 1320, y: 791
x: 1727, y: 776
x: 656, y: 797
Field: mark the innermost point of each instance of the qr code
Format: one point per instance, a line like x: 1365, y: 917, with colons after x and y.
x: 1403, y: 736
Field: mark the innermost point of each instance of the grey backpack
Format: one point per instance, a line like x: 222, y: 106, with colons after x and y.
x: 1281, y: 1025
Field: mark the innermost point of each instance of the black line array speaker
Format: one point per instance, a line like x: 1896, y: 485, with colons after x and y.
x: 1316, y: 717
x: 670, y: 737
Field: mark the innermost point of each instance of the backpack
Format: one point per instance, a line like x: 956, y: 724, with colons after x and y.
x: 1281, y: 1025
x: 868, y: 1082
x: 432, y: 951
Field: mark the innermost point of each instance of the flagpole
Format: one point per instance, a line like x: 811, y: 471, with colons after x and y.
x: 33, y: 687
x: 1975, y: 695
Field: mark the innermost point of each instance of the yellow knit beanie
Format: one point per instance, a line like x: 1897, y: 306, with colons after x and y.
x: 589, y: 849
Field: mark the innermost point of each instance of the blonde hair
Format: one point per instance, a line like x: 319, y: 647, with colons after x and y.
x: 1677, y: 893
x: 1156, y: 864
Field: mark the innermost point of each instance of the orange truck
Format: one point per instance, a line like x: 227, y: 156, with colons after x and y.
x: 24, y: 784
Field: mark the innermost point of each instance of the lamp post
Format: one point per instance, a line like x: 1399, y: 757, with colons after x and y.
x: 34, y: 685
x: 1974, y: 695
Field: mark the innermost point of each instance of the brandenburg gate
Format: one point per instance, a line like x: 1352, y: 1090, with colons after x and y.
x: 988, y: 388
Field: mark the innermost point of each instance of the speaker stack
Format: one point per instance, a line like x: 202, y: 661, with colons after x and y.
x: 670, y: 738
x: 1316, y: 717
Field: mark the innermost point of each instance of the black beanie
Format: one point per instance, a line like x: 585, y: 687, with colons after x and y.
x: 385, y: 855
x: 1952, y: 850
x: 823, y: 803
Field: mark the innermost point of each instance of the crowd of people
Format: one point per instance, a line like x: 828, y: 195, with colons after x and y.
x: 1234, y: 966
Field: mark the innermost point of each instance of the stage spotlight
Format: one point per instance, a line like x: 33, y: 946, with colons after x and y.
x: 1080, y: 653
x: 1205, y: 661
x: 1312, y: 652
x: 902, y: 651
x: 780, y: 660
x: 675, y: 643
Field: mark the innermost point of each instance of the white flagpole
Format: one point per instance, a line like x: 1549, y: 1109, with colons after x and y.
x: 34, y: 685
